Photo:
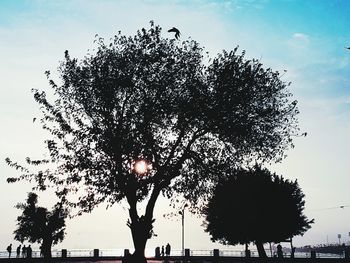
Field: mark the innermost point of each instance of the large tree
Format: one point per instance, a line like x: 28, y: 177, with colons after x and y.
x: 38, y: 224
x: 257, y: 206
x: 150, y: 99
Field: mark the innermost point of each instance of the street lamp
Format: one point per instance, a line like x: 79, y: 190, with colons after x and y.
x: 182, y: 213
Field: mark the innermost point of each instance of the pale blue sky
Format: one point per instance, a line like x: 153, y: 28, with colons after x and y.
x: 307, y: 38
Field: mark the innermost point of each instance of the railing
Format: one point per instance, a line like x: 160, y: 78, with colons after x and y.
x: 86, y: 253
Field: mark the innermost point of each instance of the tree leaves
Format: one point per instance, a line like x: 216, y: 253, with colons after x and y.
x: 36, y: 224
x: 255, y: 205
x: 148, y: 97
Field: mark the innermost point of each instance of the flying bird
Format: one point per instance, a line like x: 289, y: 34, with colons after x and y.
x: 34, y: 120
x: 347, y: 48
x: 176, y: 31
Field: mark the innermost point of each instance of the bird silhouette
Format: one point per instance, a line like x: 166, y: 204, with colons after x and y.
x: 34, y: 120
x: 176, y: 31
x: 347, y: 48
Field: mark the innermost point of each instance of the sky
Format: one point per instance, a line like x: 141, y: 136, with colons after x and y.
x: 305, y: 38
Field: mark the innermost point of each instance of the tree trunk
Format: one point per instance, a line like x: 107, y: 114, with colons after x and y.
x: 141, y: 230
x: 261, y: 250
x: 141, y: 226
x: 46, y: 247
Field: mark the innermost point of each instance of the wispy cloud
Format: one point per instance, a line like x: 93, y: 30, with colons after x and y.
x: 299, y: 41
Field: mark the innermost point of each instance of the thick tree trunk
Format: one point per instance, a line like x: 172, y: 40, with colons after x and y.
x: 139, y: 254
x: 141, y: 226
x: 141, y: 230
x: 46, y: 247
x: 260, y: 248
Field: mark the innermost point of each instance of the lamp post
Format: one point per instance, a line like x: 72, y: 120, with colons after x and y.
x: 182, y: 213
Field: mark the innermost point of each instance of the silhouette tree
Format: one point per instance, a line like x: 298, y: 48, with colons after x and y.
x: 255, y: 206
x: 153, y: 100
x: 37, y: 224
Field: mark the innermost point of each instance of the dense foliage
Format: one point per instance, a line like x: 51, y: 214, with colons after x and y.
x: 150, y: 98
x: 37, y: 224
x: 255, y: 206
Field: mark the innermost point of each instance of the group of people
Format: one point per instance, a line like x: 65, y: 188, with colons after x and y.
x: 26, y: 251
x: 162, y: 252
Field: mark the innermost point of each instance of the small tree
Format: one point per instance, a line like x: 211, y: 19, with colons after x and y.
x: 149, y: 101
x: 37, y: 224
x: 255, y: 206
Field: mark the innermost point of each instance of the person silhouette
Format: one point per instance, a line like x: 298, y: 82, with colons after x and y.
x: 29, y: 252
x: 279, y: 251
x: 24, y: 251
x: 9, y: 249
x: 18, y: 251
x: 157, y: 252
x: 167, y: 250
x: 162, y: 251
x: 293, y: 252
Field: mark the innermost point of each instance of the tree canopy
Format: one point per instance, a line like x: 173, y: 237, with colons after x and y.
x: 37, y: 224
x: 153, y: 99
x: 258, y: 206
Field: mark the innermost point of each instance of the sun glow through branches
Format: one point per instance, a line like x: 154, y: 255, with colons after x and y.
x: 141, y: 167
